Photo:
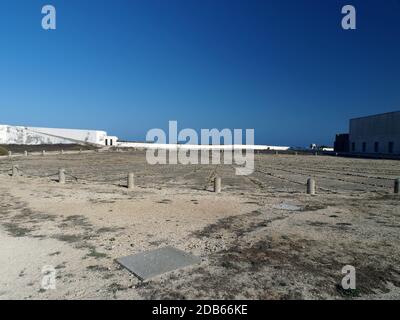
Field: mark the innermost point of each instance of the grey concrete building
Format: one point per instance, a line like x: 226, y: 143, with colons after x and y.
x: 377, y: 134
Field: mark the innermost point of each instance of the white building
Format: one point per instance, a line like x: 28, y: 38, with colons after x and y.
x: 36, y: 136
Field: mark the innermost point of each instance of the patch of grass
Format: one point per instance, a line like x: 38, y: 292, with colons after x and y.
x: 60, y: 266
x: 313, y: 207
x: 164, y: 201
x: 114, y: 287
x: 70, y: 238
x: 108, y: 229
x: 97, y: 268
x: 95, y: 254
x: 15, y: 230
x: 157, y: 243
x: 349, y: 293
x: 317, y: 223
x: 76, y: 220
x: 229, y: 265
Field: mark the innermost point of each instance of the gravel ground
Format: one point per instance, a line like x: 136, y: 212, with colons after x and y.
x: 261, y: 238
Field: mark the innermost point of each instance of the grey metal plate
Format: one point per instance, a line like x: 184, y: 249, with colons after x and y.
x: 149, y: 264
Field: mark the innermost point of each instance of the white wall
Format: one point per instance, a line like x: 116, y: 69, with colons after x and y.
x: 89, y: 136
x: 3, y: 134
x: 111, y: 140
x: 22, y: 135
x: 198, y: 147
x: 35, y: 136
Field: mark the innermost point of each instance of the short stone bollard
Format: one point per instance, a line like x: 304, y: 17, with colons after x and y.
x: 15, y: 171
x: 131, y: 180
x: 43, y: 152
x: 311, y: 186
x: 26, y: 153
x: 61, y: 176
x: 9, y: 154
x: 217, y: 185
x: 62, y: 151
x: 397, y: 186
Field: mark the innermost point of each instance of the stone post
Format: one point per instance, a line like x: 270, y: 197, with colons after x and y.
x: 131, y: 180
x: 61, y: 176
x: 15, y: 171
x: 397, y: 186
x: 311, y: 186
x: 217, y: 185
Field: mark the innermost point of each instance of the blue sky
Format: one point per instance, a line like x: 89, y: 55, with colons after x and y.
x: 285, y: 68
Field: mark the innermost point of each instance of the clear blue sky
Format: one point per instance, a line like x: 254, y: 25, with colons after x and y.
x: 284, y: 68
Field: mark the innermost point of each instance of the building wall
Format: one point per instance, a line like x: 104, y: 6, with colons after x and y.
x: 381, y: 129
x: 35, y: 136
x: 22, y: 135
x: 342, y: 143
x: 3, y: 134
x: 88, y: 136
x: 110, y: 140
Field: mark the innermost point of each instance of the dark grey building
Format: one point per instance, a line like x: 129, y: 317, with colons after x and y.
x: 341, y: 143
x: 377, y: 134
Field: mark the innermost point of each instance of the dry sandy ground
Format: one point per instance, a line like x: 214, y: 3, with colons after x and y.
x: 250, y: 248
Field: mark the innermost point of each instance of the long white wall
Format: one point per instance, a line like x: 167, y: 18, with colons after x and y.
x: 198, y: 147
x: 35, y: 136
x: 88, y: 136
x: 3, y: 134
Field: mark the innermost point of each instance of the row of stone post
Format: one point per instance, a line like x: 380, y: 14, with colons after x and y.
x: 311, y: 185
x: 10, y: 154
x: 43, y: 153
x: 118, y: 150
